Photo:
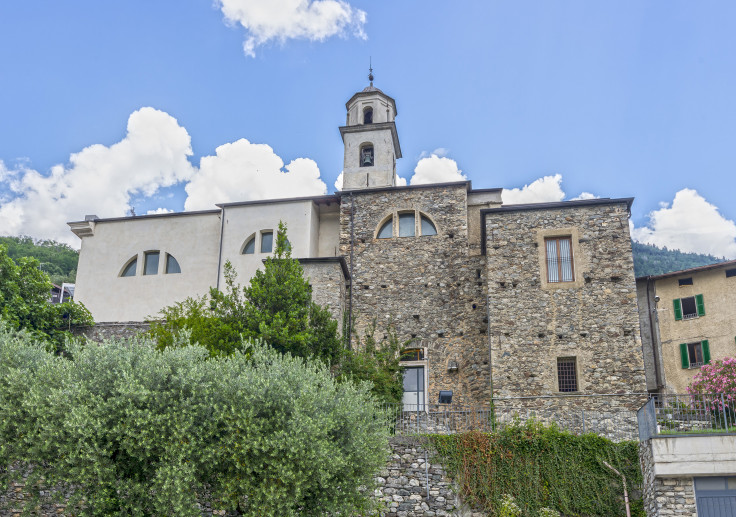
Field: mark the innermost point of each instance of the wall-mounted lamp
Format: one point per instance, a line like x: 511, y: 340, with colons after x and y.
x: 445, y: 397
x: 452, y: 366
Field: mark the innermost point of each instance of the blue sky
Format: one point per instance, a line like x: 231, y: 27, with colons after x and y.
x: 613, y: 99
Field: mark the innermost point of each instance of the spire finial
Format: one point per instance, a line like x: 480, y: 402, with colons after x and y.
x: 370, y: 70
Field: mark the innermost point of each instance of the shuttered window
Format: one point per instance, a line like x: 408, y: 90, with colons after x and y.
x: 689, y: 307
x: 559, y: 259
x: 695, y: 355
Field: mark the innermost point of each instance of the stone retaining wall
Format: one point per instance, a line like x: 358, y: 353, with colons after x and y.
x: 664, y: 497
x: 112, y: 330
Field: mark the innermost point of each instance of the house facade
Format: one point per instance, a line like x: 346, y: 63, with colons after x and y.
x: 687, y: 318
x: 492, y: 300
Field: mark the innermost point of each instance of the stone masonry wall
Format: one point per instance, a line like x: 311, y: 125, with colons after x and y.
x: 413, y: 484
x: 116, y: 330
x: 328, y: 286
x: 428, y: 287
x: 665, y: 497
x: 594, y: 318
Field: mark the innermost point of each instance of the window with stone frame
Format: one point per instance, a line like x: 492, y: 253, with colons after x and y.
x: 559, y: 259
x: 411, y: 223
x: 567, y: 374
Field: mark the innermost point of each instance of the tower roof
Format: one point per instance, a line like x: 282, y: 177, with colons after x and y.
x: 371, y: 90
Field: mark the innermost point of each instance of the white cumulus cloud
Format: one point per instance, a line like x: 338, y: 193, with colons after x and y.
x: 436, y: 169
x: 243, y: 171
x: 585, y: 195
x: 159, y: 210
x: 544, y: 190
x: 97, y: 180
x: 691, y: 224
x: 280, y: 20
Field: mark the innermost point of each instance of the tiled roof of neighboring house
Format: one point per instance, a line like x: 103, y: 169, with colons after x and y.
x: 691, y: 270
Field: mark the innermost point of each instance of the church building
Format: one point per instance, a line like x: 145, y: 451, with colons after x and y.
x: 517, y: 302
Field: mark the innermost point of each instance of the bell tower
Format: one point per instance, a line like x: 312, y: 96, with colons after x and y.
x: 370, y: 139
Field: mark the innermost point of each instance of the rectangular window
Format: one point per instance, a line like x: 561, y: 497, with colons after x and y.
x: 689, y: 307
x: 266, y: 242
x: 150, y: 267
x: 567, y: 375
x: 695, y: 355
x: 730, y: 273
x: 406, y: 225
x: 413, y: 397
x: 685, y: 281
x: 559, y: 259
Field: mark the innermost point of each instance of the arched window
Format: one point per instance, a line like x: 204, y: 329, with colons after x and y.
x: 387, y: 230
x: 250, y: 246
x: 172, y: 266
x: 366, y: 155
x: 407, y: 225
x: 428, y: 227
x: 129, y: 269
x: 267, y: 241
x: 368, y: 115
x: 150, y: 266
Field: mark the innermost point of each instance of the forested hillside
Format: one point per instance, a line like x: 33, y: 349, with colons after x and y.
x: 58, y: 260
x: 652, y: 260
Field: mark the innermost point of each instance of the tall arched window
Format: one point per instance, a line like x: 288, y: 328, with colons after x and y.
x: 368, y: 115
x: 366, y: 155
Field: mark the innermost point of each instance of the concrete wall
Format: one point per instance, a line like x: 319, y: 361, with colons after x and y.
x: 650, y: 340
x: 718, y: 325
x: 664, y: 497
x: 675, y: 456
x: 192, y: 239
x: 593, y: 318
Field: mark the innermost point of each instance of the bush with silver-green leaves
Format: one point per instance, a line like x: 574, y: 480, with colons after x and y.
x: 136, y: 431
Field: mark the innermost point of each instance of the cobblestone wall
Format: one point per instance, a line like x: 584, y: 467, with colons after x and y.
x: 328, y: 286
x: 413, y: 484
x: 593, y: 319
x: 428, y: 287
x: 665, y: 497
x: 116, y: 330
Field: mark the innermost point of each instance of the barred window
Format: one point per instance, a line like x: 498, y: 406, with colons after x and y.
x: 559, y: 259
x: 567, y: 376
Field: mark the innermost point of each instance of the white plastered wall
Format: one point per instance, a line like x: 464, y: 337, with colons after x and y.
x: 242, y: 221
x: 191, y: 239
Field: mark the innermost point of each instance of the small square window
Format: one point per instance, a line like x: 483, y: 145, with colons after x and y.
x: 567, y: 375
x: 685, y: 281
x: 559, y: 259
x: 266, y: 242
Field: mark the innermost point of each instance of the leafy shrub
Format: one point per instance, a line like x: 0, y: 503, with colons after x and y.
x: 541, y: 467
x: 276, y: 307
x: 25, y: 291
x: 715, y: 378
x: 142, y: 432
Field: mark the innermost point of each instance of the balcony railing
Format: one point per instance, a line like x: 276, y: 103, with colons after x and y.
x: 687, y: 414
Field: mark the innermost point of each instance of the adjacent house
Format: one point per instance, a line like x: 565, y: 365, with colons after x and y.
x: 687, y: 319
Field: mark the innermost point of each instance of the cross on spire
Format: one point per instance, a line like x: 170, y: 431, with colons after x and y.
x: 370, y: 70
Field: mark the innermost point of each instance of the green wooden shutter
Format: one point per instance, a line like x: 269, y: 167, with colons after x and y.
x: 684, y: 356
x: 678, y: 309
x: 706, y: 351
x: 700, y: 304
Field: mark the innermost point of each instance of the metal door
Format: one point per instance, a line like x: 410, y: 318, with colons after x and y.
x: 716, y: 496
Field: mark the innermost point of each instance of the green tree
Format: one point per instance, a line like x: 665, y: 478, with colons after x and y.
x: 276, y: 307
x: 58, y: 260
x: 130, y: 430
x: 25, y: 291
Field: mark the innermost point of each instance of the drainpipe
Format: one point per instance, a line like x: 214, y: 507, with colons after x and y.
x: 219, y: 258
x: 626, y: 494
x: 352, y: 273
x: 655, y: 352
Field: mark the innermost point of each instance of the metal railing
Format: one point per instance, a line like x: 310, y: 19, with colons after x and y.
x: 617, y: 424
x: 687, y: 414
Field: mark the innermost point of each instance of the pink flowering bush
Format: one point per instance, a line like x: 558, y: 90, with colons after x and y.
x: 716, y: 382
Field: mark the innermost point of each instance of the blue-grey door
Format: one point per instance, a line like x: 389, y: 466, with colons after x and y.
x: 716, y: 496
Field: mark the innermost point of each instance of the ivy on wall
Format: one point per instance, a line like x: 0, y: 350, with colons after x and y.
x: 542, y: 467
